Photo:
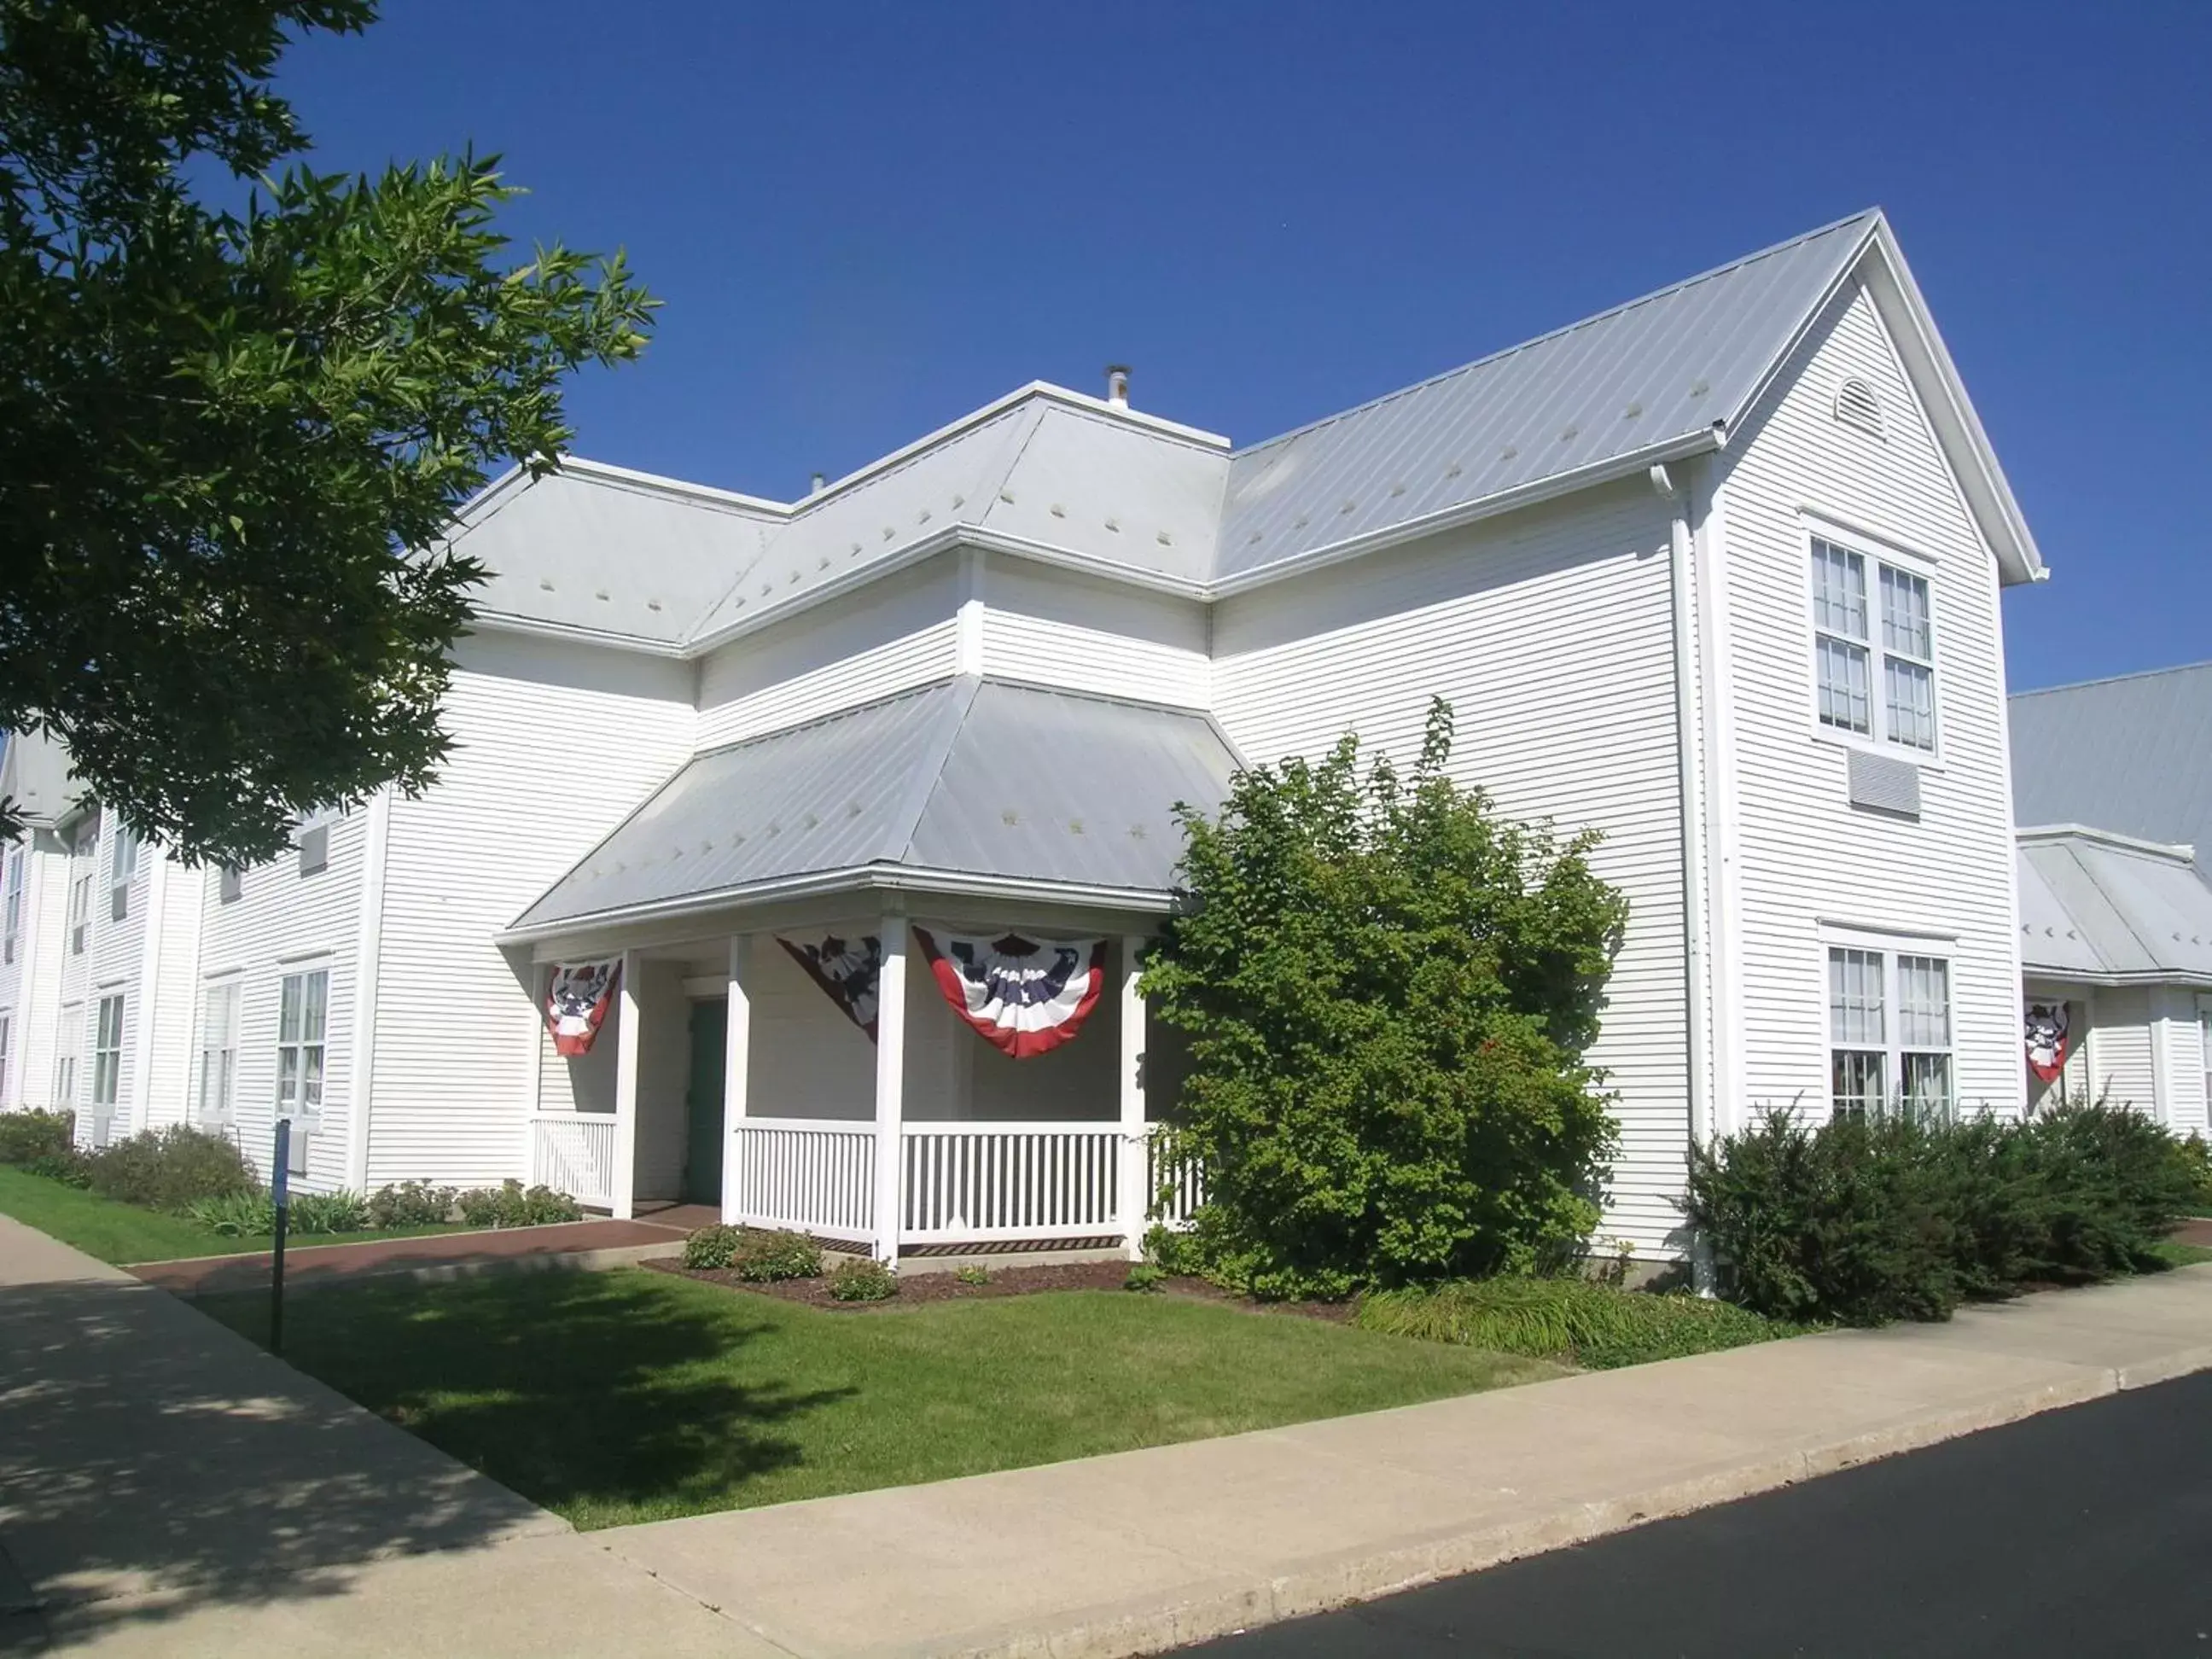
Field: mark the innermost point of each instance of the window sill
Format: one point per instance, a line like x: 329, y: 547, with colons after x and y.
x: 1928, y: 760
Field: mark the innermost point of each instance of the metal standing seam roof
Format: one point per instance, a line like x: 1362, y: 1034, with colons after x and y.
x: 2096, y: 907
x: 970, y: 776
x: 2132, y: 754
x: 1054, y: 471
x: 34, y: 773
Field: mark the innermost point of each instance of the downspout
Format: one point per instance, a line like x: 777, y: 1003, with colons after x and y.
x: 368, y: 961
x: 1691, y: 804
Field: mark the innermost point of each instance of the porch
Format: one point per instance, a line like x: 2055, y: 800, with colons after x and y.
x: 748, y: 1090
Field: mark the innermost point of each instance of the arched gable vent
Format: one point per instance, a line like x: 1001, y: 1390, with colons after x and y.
x: 1857, y: 405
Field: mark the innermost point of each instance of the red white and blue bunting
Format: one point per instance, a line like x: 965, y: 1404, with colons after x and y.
x: 849, y: 970
x: 577, y: 1001
x: 1025, y: 996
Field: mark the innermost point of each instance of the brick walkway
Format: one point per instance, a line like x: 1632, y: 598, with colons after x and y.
x: 444, y: 1254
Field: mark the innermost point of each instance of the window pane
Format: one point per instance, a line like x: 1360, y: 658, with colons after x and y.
x: 1839, y: 604
x: 288, y: 1020
x: 1909, y: 692
x: 1855, y: 999
x: 318, y: 997
x: 1928, y: 1084
x: 288, y: 1080
x: 311, y: 1087
x: 1843, y: 675
x: 1855, y: 1082
x: 1905, y: 618
x: 1924, y: 999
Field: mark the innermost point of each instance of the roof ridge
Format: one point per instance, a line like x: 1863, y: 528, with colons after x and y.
x: 1864, y: 215
x: 2110, y: 680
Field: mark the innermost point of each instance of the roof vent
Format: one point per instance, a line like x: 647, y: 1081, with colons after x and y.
x: 1857, y: 405
x: 1117, y: 385
x: 819, y: 484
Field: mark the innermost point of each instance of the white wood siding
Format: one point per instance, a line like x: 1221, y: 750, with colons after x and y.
x: 890, y: 635
x: 283, y: 922
x: 1056, y: 628
x: 554, y: 745
x: 2121, y: 1069
x: 1549, y: 632
x: 30, y: 988
x: 1807, y: 855
x: 173, y: 993
x: 2180, y: 1052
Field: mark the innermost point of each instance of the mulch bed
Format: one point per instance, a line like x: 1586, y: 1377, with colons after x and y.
x: 1004, y: 1281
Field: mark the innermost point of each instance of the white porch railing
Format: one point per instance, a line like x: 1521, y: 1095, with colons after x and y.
x: 807, y: 1174
x: 1182, y: 1180
x: 573, y: 1152
x: 980, y: 1182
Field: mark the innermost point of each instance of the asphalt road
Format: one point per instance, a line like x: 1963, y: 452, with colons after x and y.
x: 2084, y: 1532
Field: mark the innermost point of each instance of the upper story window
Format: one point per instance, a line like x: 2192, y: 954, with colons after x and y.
x: 1889, y: 1032
x: 122, y: 866
x: 84, y: 861
x: 11, y: 907
x: 1874, y: 647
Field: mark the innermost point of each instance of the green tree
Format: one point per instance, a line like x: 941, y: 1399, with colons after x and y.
x: 1388, y: 991
x: 236, y: 440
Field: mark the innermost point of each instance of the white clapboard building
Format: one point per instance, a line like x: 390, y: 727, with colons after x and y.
x: 1716, y: 572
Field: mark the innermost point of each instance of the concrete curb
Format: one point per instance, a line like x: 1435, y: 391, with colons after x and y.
x: 1227, y: 1607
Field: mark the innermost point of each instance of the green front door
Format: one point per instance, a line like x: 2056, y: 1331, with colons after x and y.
x: 703, y: 1103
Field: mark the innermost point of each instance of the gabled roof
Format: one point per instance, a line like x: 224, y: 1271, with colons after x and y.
x: 1051, y: 474
x: 34, y: 773
x: 976, y: 779
x: 2110, y: 910
x: 2132, y: 754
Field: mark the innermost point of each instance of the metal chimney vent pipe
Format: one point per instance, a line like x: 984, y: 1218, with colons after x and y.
x: 1117, y: 385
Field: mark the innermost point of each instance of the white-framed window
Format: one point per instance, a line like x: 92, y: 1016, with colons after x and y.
x: 122, y: 866
x: 7, y: 1031
x: 107, y: 1066
x: 1874, y: 647
x: 1889, y: 1031
x: 214, y: 1103
x: 2204, y: 1041
x: 301, y: 1015
x: 65, y: 1060
x: 11, y: 906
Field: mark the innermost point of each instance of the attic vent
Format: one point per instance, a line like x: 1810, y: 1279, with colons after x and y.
x: 1857, y: 405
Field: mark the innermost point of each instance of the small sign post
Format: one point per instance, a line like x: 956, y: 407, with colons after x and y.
x: 280, y: 1190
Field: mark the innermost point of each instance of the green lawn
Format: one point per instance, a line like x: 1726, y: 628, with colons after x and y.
x: 634, y: 1395
x: 2175, y: 1254
x: 124, y: 1232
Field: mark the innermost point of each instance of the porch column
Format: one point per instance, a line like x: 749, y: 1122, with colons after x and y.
x: 626, y: 1044
x: 737, y: 1059
x: 1133, y: 1184
x: 890, y: 1083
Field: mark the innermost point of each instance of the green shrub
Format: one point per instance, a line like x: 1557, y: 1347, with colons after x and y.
x: 168, y: 1169
x: 1583, y: 1321
x: 765, y: 1257
x: 509, y: 1205
x: 862, y: 1279
x: 66, y: 1167
x: 1144, y: 1276
x: 411, y: 1204
x: 236, y: 1215
x: 972, y: 1273
x: 1388, y: 993
x: 27, y: 1137
x: 1863, y: 1221
x: 708, y: 1249
x: 1169, y: 1250
x: 328, y: 1212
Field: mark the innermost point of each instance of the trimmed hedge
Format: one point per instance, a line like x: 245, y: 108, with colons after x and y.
x: 36, y: 1136
x: 169, y: 1168
x: 1863, y: 1221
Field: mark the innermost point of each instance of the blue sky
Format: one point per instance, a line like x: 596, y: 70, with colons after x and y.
x: 867, y: 219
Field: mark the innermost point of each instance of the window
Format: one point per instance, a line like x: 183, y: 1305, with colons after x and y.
x: 5, y: 1023
x: 11, y: 922
x: 299, y: 1057
x: 107, y: 1066
x: 122, y: 866
x: 218, y: 1055
x: 65, y: 1061
x: 84, y: 860
x: 1846, y: 659
x: 2204, y: 1040
x: 1889, y: 1033
x: 229, y: 884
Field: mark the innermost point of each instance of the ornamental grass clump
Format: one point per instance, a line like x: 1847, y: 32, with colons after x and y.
x: 1596, y: 1326
x: 1387, y: 992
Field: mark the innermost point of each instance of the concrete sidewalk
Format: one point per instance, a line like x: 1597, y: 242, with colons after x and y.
x: 1114, y: 1555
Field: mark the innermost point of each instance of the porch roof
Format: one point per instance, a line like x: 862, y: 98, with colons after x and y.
x: 2103, y: 909
x: 970, y: 777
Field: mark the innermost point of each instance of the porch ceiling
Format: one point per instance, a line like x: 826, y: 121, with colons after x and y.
x: 970, y: 777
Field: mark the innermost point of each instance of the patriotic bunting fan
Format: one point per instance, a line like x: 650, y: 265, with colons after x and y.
x: 1025, y: 996
x: 2047, y: 1031
x: 849, y: 970
x: 577, y: 1002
